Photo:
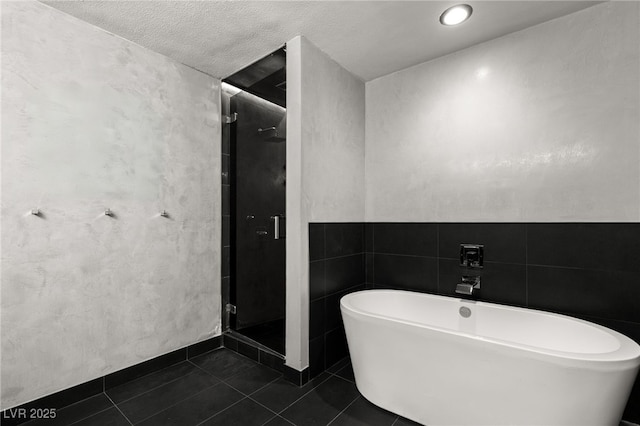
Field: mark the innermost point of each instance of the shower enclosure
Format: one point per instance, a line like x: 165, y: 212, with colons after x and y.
x: 255, y: 299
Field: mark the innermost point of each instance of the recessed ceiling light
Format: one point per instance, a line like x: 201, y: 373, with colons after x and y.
x: 456, y: 14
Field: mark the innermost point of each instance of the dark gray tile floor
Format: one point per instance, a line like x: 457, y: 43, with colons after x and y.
x: 224, y: 388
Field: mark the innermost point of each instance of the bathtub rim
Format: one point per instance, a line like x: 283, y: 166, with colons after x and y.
x: 627, y: 352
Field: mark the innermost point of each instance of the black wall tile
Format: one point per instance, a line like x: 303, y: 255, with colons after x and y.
x: 230, y: 342
x: 271, y: 361
x: 342, y: 273
x: 291, y: 375
x: 128, y: 374
x: 503, y: 242
x: 316, y: 241
x: 335, y: 346
x: 316, y: 356
x: 337, y: 266
x: 204, y: 346
x: 610, y: 246
x: 499, y: 282
x: 368, y: 237
x: 316, y: 318
x: 332, y: 315
x: 605, y: 294
x: 343, y: 239
x: 369, y: 268
x: 406, y: 272
x: 419, y: 239
x: 316, y: 279
x: 248, y: 350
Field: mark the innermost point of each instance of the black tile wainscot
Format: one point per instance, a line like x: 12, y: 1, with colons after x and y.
x: 337, y: 267
x: 586, y: 270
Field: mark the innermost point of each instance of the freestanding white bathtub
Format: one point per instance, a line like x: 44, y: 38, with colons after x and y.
x: 416, y: 355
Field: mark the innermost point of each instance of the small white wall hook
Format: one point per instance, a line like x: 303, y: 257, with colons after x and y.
x: 108, y: 212
x: 164, y: 213
x: 35, y: 212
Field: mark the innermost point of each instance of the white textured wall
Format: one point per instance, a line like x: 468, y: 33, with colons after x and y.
x: 91, y: 121
x: 333, y: 123
x: 325, y: 169
x: 539, y: 125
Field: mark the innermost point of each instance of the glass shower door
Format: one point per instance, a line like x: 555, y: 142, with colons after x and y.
x: 258, y: 155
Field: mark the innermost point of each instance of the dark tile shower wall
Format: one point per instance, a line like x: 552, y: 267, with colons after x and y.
x: 586, y: 270
x: 337, y: 267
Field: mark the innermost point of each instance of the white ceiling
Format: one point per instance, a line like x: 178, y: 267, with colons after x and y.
x: 368, y: 38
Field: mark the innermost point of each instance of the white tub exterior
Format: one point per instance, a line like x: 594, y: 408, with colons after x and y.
x: 415, y: 355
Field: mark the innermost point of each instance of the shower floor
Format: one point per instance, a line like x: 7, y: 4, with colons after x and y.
x: 270, y: 334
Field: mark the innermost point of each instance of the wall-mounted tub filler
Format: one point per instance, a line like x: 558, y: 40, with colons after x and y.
x: 412, y: 353
x: 469, y: 286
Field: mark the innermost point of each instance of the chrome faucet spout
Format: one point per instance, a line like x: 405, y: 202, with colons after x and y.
x: 468, y: 286
x: 466, y: 289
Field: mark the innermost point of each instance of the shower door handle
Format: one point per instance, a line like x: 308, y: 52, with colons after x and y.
x: 276, y: 226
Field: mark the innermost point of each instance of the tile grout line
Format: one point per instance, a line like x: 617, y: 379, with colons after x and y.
x: 280, y: 417
x: 261, y: 404
x: 339, y: 291
x: 153, y: 388
x: 257, y: 364
x: 537, y: 265
x: 356, y: 253
x: 264, y: 406
x: 94, y: 413
x: 176, y: 403
x: 304, y: 394
x: 248, y: 395
x: 202, y: 369
x: 225, y: 409
x: 345, y: 409
x: 119, y: 410
x: 221, y: 381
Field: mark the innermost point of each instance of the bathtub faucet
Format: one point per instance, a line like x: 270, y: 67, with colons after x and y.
x: 469, y: 285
